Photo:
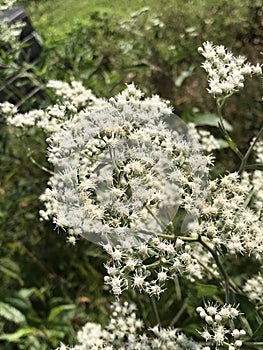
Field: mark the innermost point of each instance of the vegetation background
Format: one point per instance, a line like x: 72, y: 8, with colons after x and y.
x: 49, y: 289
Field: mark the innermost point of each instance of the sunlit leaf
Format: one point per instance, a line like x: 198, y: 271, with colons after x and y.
x: 56, y: 311
x: 210, y: 119
x: 22, y: 332
x: 10, y: 313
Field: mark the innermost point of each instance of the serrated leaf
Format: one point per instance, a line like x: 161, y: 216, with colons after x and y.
x: 10, y: 313
x: 56, y: 311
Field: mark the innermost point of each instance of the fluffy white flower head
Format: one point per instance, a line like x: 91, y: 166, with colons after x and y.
x: 123, y: 170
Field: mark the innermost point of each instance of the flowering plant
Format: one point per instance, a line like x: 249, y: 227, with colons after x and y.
x: 131, y: 176
x: 10, y: 45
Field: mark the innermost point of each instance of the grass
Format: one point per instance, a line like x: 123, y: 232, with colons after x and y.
x: 59, y: 15
x: 56, y: 17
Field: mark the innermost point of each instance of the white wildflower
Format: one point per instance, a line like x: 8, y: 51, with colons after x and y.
x: 226, y: 73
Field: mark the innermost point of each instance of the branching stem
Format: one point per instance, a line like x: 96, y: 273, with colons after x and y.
x: 220, y: 267
x: 246, y: 156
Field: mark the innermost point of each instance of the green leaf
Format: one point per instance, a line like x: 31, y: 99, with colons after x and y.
x: 56, y: 311
x: 206, y: 290
x: 258, y: 335
x: 22, y: 332
x: 198, y: 293
x: 10, y: 313
x: 19, y: 300
x: 209, y: 119
x: 25, y: 293
x: 249, y: 311
x: 184, y: 75
x: 10, y: 269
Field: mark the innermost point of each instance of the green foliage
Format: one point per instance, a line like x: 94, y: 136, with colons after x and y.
x: 155, y: 46
x: 31, y: 328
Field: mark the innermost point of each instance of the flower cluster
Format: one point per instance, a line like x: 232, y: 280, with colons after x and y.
x: 226, y: 73
x: 62, y: 115
x: 122, y: 173
x: 254, y: 180
x: 220, y: 326
x: 74, y: 94
x: 9, y: 32
x: 227, y: 221
x: 127, y: 332
x: 131, y: 176
x: 8, y: 109
x: 149, y: 266
x: 207, y: 141
x: 224, y: 221
x: 6, y: 4
x: 254, y: 289
x: 137, y: 156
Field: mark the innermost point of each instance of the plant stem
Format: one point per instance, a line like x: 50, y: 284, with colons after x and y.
x: 179, y: 314
x: 231, y: 143
x: 41, y: 166
x: 156, y: 218
x: 189, y: 239
x: 246, y: 156
x: 177, y: 289
x: 183, y: 238
x: 256, y: 166
x: 221, y: 269
x: 37, y: 164
x: 163, y: 235
x: 155, y: 310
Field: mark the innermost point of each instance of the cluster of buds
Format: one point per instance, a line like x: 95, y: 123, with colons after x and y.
x: 220, y: 328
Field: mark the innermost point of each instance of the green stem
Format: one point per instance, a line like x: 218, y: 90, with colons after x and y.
x: 41, y: 166
x: 231, y: 143
x: 155, y: 310
x: 246, y: 156
x: 163, y: 235
x: 189, y: 239
x: 183, y: 238
x: 179, y: 314
x: 178, y: 291
x: 221, y: 269
x: 256, y: 166
x: 158, y: 222
x: 256, y: 343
